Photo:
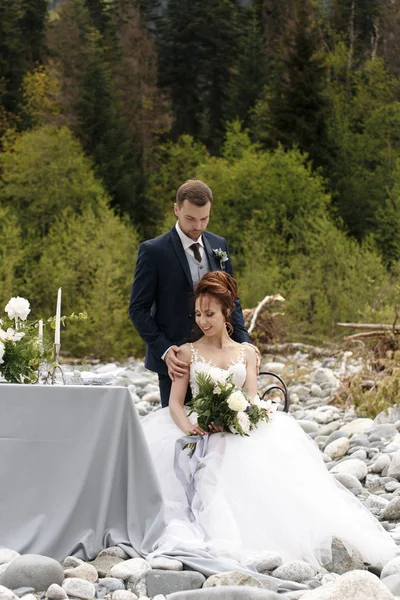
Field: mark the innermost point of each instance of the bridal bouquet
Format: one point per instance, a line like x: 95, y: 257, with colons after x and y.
x: 221, y: 403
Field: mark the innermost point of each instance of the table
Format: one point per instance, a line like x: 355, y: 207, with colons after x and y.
x: 76, y: 477
x: 75, y: 472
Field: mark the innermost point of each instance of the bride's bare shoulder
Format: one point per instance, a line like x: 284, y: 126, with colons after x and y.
x: 250, y: 352
x: 185, y: 353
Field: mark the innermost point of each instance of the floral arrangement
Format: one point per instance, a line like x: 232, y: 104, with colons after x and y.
x: 23, y: 344
x: 224, y: 405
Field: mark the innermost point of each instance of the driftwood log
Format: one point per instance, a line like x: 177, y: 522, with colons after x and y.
x: 369, y: 326
x: 260, y: 321
x: 378, y: 330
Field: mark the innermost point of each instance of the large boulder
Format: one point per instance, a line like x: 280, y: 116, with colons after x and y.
x: 357, y: 426
x: 355, y: 585
x: 168, y: 582
x: 226, y: 593
x: 32, y: 570
x: 352, y: 466
x: 343, y: 560
x: 232, y: 578
x: 296, y: 570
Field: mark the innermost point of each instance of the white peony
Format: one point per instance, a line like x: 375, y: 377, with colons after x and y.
x: 10, y: 335
x: 2, y: 350
x: 18, y: 308
x: 256, y: 400
x: 236, y: 401
x: 271, y: 406
x: 243, y: 421
x: 268, y: 405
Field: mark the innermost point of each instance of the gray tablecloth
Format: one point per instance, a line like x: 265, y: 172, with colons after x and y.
x: 75, y: 472
x: 76, y: 476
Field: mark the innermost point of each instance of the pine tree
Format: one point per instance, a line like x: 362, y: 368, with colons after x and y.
x: 99, y: 14
x: 144, y: 108
x: 22, y: 26
x: 104, y: 18
x: 276, y: 17
x: 101, y: 130
x: 197, y: 49
x: 365, y: 128
x: 298, y: 105
x: 91, y: 105
x: 389, y: 28
x: 250, y: 72
x: 355, y: 20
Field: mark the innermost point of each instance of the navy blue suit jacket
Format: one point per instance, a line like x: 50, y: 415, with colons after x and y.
x: 162, y: 305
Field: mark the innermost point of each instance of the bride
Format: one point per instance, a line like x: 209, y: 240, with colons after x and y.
x: 270, y: 491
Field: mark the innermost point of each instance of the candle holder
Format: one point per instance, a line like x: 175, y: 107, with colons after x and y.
x: 56, y: 364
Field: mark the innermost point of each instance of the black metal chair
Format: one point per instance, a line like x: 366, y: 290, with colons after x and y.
x: 283, y: 389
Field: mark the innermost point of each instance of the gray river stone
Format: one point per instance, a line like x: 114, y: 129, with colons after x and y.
x: 32, y: 570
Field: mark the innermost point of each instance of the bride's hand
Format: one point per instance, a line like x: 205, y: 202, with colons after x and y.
x: 195, y: 429
x: 215, y: 429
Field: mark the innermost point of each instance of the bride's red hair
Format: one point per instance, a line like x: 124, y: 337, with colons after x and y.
x: 221, y: 286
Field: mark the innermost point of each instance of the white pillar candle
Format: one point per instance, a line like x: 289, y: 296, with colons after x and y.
x: 58, y: 318
x: 40, y: 335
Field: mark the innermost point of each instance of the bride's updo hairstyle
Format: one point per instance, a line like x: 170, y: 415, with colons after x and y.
x: 221, y: 286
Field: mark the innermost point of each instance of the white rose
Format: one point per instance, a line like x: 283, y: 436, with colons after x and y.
x: 18, y: 308
x: 2, y: 350
x: 236, y: 401
x: 243, y: 421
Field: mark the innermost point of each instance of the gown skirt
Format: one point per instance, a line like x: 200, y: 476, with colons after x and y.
x: 270, y: 491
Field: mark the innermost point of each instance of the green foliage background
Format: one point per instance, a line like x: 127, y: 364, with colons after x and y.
x: 289, y: 110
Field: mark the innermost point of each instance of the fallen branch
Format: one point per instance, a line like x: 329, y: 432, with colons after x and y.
x: 268, y: 300
x: 366, y: 334
x: 369, y: 326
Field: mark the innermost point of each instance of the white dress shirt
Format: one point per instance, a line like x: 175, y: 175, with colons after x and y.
x: 186, y: 243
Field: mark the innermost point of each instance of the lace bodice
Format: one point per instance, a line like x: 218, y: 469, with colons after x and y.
x: 237, y: 369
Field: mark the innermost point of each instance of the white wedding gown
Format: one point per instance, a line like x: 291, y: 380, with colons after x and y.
x: 270, y: 491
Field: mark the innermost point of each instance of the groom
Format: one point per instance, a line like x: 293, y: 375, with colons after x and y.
x: 167, y: 268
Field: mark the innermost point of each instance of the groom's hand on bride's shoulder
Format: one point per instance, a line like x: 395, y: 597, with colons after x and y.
x: 176, y: 367
x: 258, y: 355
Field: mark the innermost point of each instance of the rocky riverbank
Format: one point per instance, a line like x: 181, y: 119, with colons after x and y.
x: 363, y: 454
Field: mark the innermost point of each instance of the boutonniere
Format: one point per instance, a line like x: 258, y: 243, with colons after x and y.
x: 221, y: 256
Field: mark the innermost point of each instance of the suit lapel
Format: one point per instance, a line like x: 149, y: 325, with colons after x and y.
x: 181, y: 255
x: 214, y: 264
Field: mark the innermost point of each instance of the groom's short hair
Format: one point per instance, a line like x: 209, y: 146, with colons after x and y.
x: 195, y: 191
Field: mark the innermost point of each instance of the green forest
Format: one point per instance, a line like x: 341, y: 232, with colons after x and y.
x: 288, y: 109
